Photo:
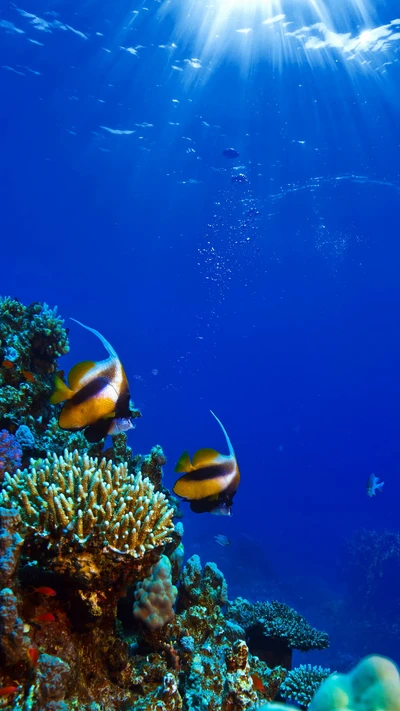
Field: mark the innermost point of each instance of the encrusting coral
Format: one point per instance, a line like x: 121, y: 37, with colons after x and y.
x: 301, y: 684
x: 90, y: 499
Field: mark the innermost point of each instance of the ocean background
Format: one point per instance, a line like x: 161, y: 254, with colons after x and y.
x: 274, y: 302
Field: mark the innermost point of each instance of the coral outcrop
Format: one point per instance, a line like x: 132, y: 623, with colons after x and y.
x: 155, y: 596
x: 273, y: 630
x: 10, y: 453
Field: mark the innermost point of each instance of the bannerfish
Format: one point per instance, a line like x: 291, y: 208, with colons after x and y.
x: 373, y: 485
x: 222, y: 540
x: 210, y: 480
x: 230, y: 153
x: 97, y: 394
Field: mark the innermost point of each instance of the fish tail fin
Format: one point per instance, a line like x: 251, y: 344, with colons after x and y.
x: 61, y: 392
x: 184, y: 464
x: 228, y: 441
x: 104, y: 341
x: 380, y: 486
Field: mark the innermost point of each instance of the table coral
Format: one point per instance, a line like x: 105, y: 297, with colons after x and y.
x: 274, y: 629
x: 302, y: 682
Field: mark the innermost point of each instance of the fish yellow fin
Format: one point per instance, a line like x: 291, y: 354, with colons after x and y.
x: 61, y: 392
x: 204, y: 457
x: 77, y: 373
x: 183, y: 464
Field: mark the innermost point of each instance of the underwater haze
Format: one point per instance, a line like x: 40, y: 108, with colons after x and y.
x: 262, y: 284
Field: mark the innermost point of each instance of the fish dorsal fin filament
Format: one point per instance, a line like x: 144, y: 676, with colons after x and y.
x: 78, y: 372
x: 205, y: 457
x: 228, y: 441
x: 104, y: 341
x: 184, y: 464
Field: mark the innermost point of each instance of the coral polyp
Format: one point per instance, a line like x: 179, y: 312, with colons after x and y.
x: 90, y: 499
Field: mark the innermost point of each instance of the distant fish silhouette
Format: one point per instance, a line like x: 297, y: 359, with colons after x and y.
x: 222, y: 540
x: 230, y: 153
x: 210, y: 480
x: 373, y: 486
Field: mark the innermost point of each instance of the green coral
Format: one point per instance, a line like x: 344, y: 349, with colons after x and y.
x: 301, y: 683
x: 31, y: 338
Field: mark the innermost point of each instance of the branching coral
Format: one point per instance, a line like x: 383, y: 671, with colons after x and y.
x: 90, y: 499
x: 301, y: 684
x: 155, y: 596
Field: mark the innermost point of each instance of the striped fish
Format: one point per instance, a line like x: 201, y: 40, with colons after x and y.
x: 210, y: 480
x: 97, y: 393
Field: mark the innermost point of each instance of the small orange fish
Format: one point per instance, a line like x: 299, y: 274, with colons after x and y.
x: 8, y: 690
x: 7, y: 364
x: 257, y: 683
x: 44, y: 590
x: 28, y: 376
x: 33, y: 655
x: 46, y: 617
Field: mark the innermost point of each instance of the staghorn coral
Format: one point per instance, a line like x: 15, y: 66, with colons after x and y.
x: 302, y: 682
x: 274, y: 629
x: 91, y: 500
x: 10, y: 453
x: 155, y: 596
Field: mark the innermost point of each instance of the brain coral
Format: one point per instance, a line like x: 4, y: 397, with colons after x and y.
x: 91, y: 500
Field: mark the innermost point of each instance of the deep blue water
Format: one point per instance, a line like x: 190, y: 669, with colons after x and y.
x: 285, y: 319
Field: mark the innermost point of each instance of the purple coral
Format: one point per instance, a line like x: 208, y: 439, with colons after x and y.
x: 10, y: 453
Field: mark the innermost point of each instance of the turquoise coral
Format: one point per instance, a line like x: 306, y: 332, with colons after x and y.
x: 302, y: 682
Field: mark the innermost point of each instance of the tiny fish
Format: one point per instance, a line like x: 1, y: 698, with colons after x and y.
x: 230, y: 153
x: 257, y: 683
x: 210, y: 480
x: 222, y: 540
x: 373, y: 485
x: 7, y: 364
x: 28, y: 376
x: 44, y: 590
x: 96, y: 394
x: 46, y: 617
x: 8, y: 690
x: 33, y: 655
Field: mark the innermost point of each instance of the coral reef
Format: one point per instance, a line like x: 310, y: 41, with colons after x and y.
x: 31, y: 339
x: 273, y: 629
x: 97, y: 503
x: 301, y: 684
x: 373, y: 685
x: 10, y: 453
x: 155, y: 596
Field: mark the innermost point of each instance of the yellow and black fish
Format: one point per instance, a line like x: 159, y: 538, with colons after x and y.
x: 210, y: 480
x: 97, y: 395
